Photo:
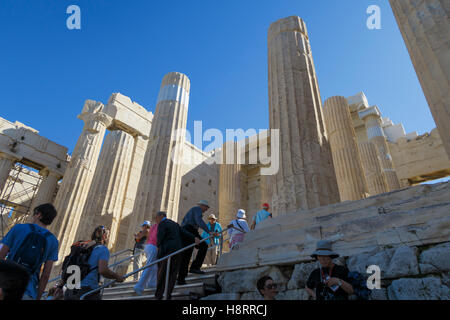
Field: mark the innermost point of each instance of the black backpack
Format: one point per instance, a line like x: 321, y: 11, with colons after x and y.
x: 359, y: 285
x: 31, y: 251
x: 79, y: 255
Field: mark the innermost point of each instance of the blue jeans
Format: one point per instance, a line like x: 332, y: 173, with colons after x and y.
x: 149, y: 275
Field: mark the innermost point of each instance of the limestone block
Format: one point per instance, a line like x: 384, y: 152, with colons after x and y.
x: 223, y: 296
x: 245, y: 280
x: 379, y: 294
x: 360, y: 262
x: 252, y: 296
x: 435, y: 259
x: 414, y: 216
x: 430, y: 288
x: 128, y: 115
x: 300, y: 275
x: 403, y: 263
x: 293, y: 295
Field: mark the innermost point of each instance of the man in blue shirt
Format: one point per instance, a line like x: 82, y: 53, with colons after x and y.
x: 261, y: 215
x: 191, y: 222
x: 14, y: 241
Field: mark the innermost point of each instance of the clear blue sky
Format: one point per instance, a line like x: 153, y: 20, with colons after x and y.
x: 48, y: 71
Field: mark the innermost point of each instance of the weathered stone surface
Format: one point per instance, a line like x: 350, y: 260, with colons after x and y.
x: 300, y: 275
x: 403, y: 263
x: 430, y: 288
x: 306, y: 177
x: 420, y: 159
x: 293, y: 295
x: 414, y: 216
x: 435, y: 259
x: 425, y: 27
x: 160, y: 180
x: 252, y: 296
x: 245, y: 280
x: 379, y: 294
x: 360, y: 262
x: 346, y: 158
x: 223, y: 296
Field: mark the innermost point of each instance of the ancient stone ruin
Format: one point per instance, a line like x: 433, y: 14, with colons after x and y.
x: 347, y: 173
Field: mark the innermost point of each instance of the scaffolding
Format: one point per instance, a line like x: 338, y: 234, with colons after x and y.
x: 17, y: 196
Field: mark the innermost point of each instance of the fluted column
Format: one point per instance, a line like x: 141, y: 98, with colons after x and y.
x: 47, y: 188
x: 6, y: 164
x: 128, y: 222
x: 347, y: 162
x: 107, y: 194
x: 77, y: 180
x: 425, y: 28
x: 306, y: 177
x: 376, y: 180
x: 372, y: 120
x: 229, y: 184
x: 161, y: 175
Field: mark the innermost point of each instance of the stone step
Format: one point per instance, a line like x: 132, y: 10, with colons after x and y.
x: 149, y: 294
x: 206, y: 278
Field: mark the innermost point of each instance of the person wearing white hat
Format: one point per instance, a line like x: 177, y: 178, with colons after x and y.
x: 139, y: 247
x: 238, y: 229
x: 191, y: 222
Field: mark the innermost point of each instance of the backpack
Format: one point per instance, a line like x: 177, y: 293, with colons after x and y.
x: 359, y: 285
x: 31, y: 251
x: 79, y: 255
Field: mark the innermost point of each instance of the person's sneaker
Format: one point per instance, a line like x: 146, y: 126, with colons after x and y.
x: 181, y: 282
x: 138, y: 291
x: 197, y: 271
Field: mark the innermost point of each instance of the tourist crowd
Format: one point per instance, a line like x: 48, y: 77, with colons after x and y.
x: 28, y: 252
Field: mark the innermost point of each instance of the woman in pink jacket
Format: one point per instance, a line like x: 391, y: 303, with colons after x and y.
x: 149, y: 275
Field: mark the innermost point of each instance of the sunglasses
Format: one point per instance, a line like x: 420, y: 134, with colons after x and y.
x: 272, y: 286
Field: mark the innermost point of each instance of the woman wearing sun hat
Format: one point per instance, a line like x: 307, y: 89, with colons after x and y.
x: 238, y: 228
x: 213, y: 226
x: 329, y: 281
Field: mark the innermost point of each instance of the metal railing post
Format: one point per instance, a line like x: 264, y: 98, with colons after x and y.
x: 166, y: 288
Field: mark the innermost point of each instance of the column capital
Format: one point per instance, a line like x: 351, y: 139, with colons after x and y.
x: 372, y: 111
x: 46, y: 172
x: 93, y: 120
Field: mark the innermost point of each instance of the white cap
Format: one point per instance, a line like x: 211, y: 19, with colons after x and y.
x: 146, y: 223
x: 241, y: 214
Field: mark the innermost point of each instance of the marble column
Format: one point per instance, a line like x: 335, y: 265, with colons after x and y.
x: 6, y: 164
x: 77, y: 179
x: 425, y: 27
x: 230, y: 182
x: 306, y: 177
x: 376, y: 180
x: 161, y: 175
x: 128, y: 223
x: 107, y: 193
x: 47, y: 188
x: 372, y: 120
x: 347, y: 161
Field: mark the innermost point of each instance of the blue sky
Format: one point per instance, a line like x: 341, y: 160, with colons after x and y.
x: 47, y: 71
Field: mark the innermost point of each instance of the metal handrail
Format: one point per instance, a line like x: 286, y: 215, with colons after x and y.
x: 168, y: 257
x: 110, y: 266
